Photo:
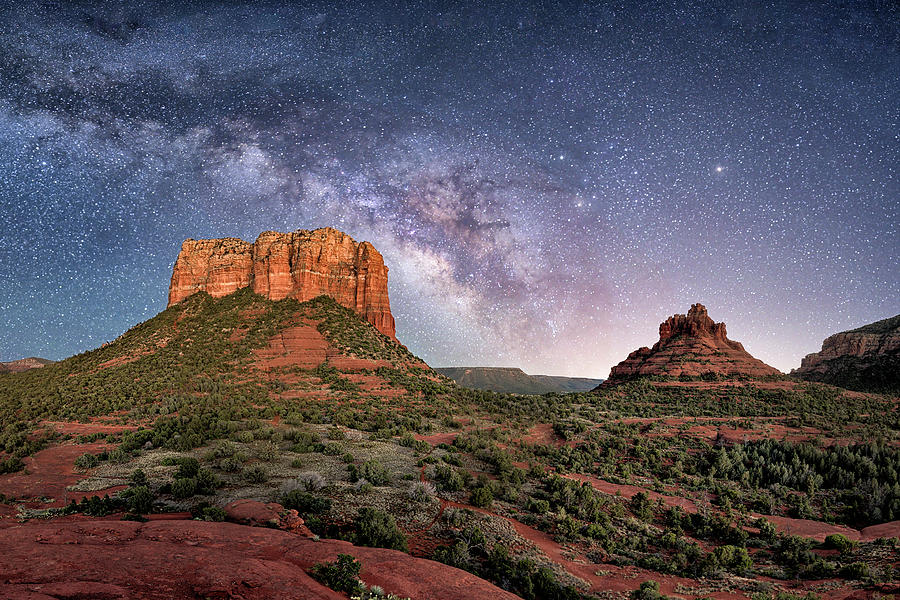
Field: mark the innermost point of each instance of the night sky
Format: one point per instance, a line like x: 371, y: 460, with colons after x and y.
x: 547, y: 183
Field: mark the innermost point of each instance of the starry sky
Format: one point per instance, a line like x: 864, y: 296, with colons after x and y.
x: 546, y: 181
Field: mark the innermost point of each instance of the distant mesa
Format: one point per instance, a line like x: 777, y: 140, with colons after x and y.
x: 691, y: 345
x: 23, y: 364
x: 864, y: 359
x: 301, y: 264
x: 513, y: 380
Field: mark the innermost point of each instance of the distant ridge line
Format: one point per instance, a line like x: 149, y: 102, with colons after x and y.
x: 513, y: 380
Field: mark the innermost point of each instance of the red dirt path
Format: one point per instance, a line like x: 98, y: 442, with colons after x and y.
x: 48, y: 472
x: 628, y: 491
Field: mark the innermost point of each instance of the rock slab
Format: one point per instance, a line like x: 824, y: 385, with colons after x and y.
x: 115, y: 560
x: 301, y: 264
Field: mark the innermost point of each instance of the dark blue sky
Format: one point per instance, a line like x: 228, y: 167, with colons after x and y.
x: 547, y: 182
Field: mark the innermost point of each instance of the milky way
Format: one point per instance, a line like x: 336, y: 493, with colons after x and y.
x: 546, y: 184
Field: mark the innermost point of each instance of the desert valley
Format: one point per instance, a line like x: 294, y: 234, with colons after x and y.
x: 268, y: 436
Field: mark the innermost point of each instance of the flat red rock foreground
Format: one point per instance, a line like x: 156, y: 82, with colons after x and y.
x: 193, y: 559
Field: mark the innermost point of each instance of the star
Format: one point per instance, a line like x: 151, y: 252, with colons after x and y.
x: 460, y: 143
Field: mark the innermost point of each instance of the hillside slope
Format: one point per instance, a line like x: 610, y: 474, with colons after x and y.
x: 240, y: 351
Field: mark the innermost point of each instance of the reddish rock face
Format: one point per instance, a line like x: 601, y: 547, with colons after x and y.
x: 271, y: 514
x: 195, y: 559
x: 301, y: 264
x: 865, y: 359
x: 692, y: 345
x: 850, y: 344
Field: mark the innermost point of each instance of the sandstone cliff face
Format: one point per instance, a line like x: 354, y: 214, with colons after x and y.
x: 301, y: 264
x: 867, y: 358
x: 691, y: 345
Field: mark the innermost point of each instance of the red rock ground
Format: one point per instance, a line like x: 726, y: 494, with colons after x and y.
x: 436, y: 439
x: 817, y: 530
x: 628, y: 491
x: 195, y: 559
x: 302, y: 346
x: 68, y: 427
x: 48, y: 473
x: 542, y: 433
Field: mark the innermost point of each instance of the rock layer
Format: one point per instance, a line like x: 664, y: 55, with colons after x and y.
x: 301, y: 264
x: 865, y: 359
x: 691, y: 345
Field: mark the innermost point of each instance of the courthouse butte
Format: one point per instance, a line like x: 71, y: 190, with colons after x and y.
x: 301, y: 264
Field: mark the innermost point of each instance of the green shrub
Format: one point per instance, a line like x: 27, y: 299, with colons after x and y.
x: 231, y: 465
x: 649, y: 590
x: 140, y: 499
x: 452, y: 459
x: 207, y: 482
x: 86, y: 461
x: 733, y: 559
x: 138, y: 477
x: 378, y: 529
x: 118, y: 457
x: 767, y: 530
x: 332, y: 449
x: 95, y: 506
x: 482, y: 497
x: 857, y: 570
x: 184, y: 487
x: 305, y: 503
x: 641, y: 506
x: 187, y: 467
x: 12, y: 465
x: 793, y: 551
x: 448, y: 480
x: 371, y: 470
x: 457, y: 555
x: 256, y: 474
x: 840, y: 542
x: 212, y: 513
x: 341, y: 575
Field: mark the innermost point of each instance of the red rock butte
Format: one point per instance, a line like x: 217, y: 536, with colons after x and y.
x: 691, y: 345
x: 301, y: 264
